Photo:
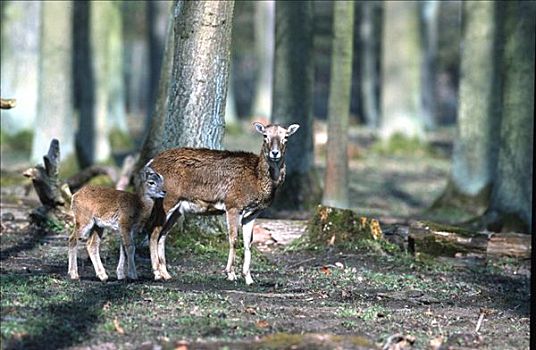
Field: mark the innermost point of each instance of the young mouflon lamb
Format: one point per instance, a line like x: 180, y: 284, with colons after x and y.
x: 205, y: 181
x: 96, y: 208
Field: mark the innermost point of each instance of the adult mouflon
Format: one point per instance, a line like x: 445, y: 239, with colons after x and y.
x: 209, y: 182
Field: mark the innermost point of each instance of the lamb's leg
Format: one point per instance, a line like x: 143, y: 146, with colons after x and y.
x: 73, y: 252
x: 128, y: 242
x: 247, y: 235
x: 93, y: 248
x: 161, y: 248
x: 120, y: 271
x: 232, y: 226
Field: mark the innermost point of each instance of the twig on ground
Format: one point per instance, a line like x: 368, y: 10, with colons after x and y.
x: 479, y: 323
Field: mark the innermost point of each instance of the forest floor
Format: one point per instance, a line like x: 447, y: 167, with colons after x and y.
x: 356, y: 297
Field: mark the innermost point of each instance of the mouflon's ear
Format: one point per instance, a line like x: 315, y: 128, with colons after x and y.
x: 259, y: 127
x: 292, y: 129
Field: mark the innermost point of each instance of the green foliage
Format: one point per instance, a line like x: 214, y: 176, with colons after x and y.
x: 120, y: 141
x: 401, y: 145
x: 20, y: 142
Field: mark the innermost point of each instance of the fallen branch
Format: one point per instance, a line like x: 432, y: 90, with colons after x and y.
x: 447, y: 241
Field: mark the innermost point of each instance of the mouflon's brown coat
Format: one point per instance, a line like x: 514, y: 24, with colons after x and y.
x: 208, y: 182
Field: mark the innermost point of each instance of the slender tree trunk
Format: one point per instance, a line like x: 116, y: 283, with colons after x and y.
x: 336, y: 180
x: 199, y: 75
x: 512, y: 190
x: 93, y: 82
x: 157, y: 17
x: 153, y: 139
x: 429, y: 32
x: 19, y: 63
x: 370, y: 33
x: 117, y: 99
x: 401, y: 71
x: 475, y: 147
x: 231, y: 115
x: 264, y: 47
x: 55, y: 117
x: 293, y: 101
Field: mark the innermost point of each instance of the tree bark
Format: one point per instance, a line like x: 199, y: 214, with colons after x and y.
x: 199, y: 75
x: 292, y: 102
x: 55, y: 112
x: 19, y: 62
x: 475, y: 150
x: 264, y: 48
x: 370, y: 33
x: 336, y: 180
x: 512, y: 190
x: 401, y: 71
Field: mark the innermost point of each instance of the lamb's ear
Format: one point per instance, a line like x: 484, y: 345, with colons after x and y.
x: 259, y: 127
x: 292, y: 129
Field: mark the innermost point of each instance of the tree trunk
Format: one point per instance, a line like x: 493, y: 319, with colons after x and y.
x: 512, y: 190
x: 199, y: 75
x: 292, y: 102
x: 264, y: 48
x: 55, y: 118
x: 117, y: 115
x: 336, y: 180
x: 19, y: 62
x: 475, y: 148
x: 401, y: 71
x: 153, y: 139
x: 157, y: 17
x: 429, y: 13
x: 370, y: 32
x: 92, y: 88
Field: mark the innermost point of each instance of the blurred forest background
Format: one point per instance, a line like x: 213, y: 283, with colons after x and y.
x: 451, y: 80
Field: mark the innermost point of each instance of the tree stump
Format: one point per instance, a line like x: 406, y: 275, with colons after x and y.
x: 53, y: 193
x: 331, y: 226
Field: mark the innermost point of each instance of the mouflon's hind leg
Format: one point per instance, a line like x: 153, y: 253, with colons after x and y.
x: 232, y: 226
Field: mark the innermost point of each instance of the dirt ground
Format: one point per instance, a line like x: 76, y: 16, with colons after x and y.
x: 359, y: 297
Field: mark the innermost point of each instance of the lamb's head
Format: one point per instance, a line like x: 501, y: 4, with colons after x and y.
x: 275, y: 140
x: 152, y: 182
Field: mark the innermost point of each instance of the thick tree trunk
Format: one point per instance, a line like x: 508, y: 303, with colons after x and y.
x: 55, y: 117
x: 475, y: 148
x: 370, y: 33
x: 264, y: 48
x: 512, y: 190
x: 401, y: 71
x: 92, y: 69
x: 336, y: 180
x: 19, y: 62
x: 199, y: 75
x: 292, y: 101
